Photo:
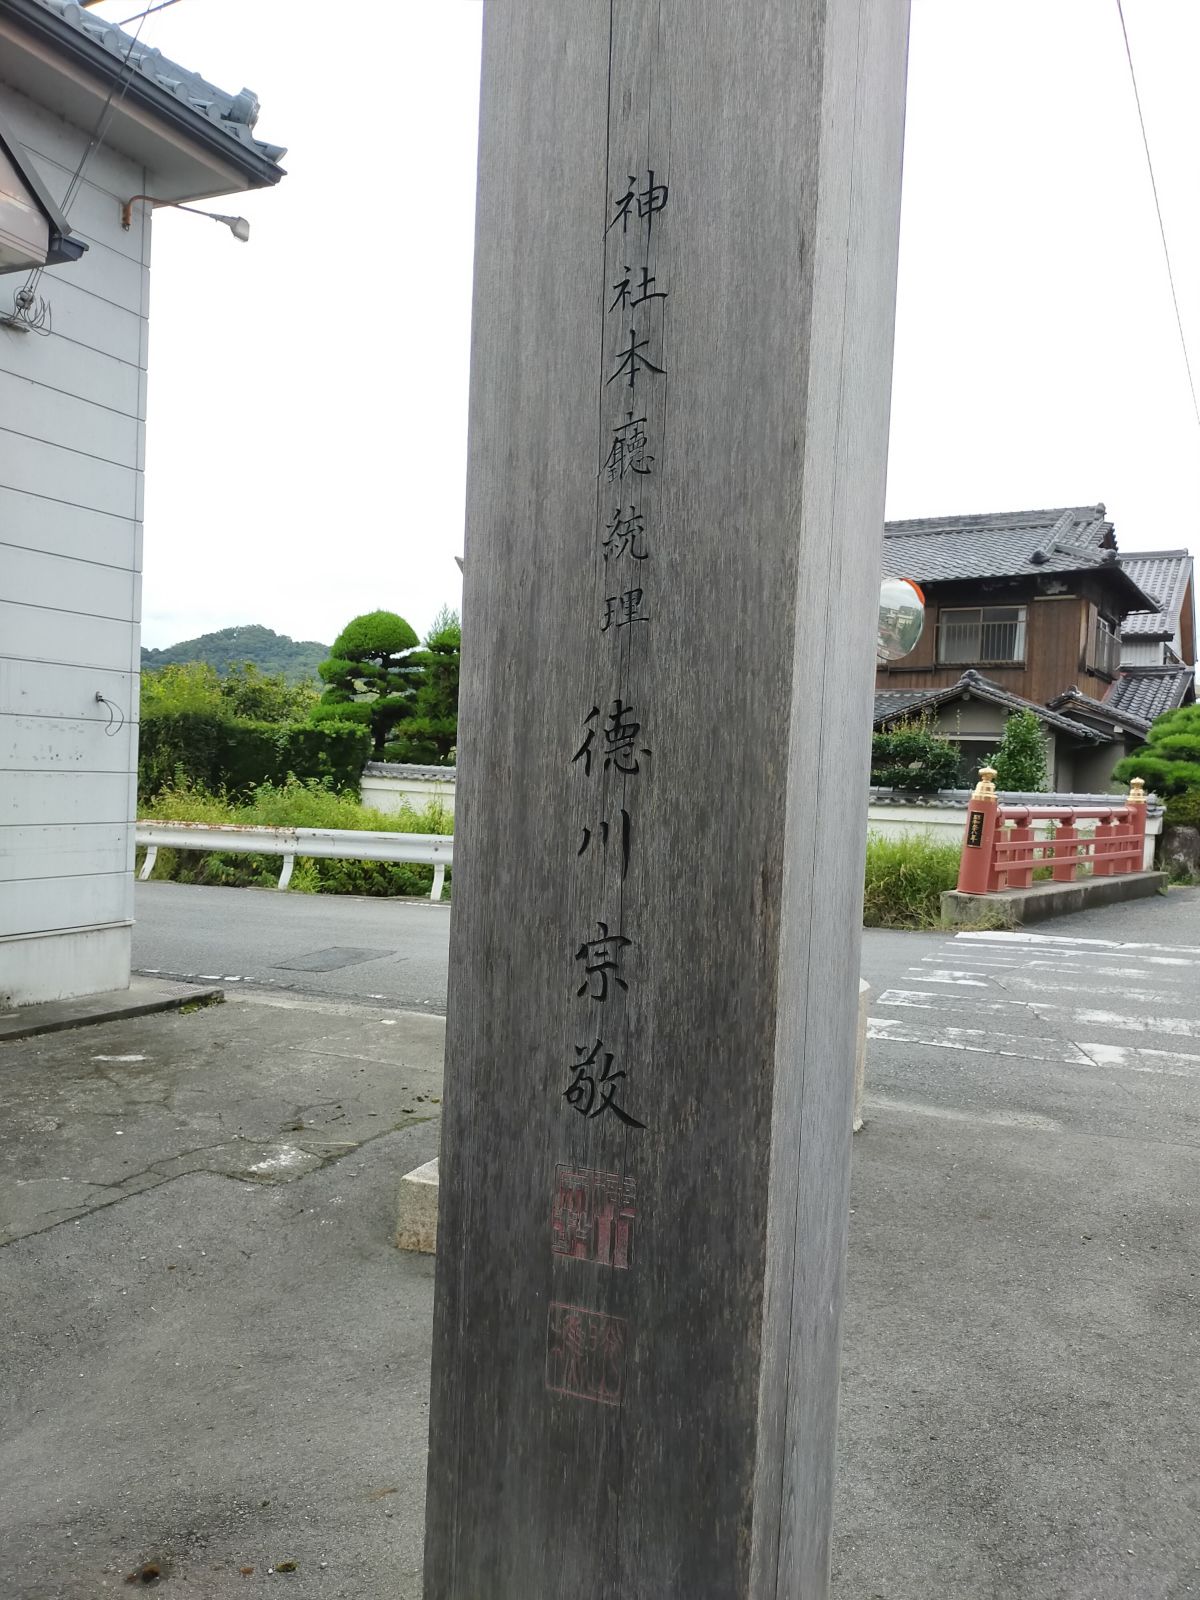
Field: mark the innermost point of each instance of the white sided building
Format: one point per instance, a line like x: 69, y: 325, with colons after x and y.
x: 89, y: 119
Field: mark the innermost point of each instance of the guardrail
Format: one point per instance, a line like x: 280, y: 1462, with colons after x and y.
x: 327, y: 844
x: 1000, y: 850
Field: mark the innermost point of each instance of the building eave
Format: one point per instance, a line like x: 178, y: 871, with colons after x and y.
x: 240, y: 164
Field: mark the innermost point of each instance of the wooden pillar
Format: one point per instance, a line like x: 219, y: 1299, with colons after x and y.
x: 685, y: 275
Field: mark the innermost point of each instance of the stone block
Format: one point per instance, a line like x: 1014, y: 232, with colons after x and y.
x: 1180, y: 852
x: 417, y: 1211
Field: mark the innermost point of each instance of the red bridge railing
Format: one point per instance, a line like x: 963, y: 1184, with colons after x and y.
x: 1001, y: 849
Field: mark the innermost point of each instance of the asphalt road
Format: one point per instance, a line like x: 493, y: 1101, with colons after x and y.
x: 1019, y: 1417
x: 384, y: 952
x: 1023, y: 1291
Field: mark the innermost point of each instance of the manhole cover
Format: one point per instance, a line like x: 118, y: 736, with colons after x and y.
x: 330, y: 960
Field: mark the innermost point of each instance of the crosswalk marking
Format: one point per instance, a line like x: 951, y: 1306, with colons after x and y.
x: 1070, y: 986
x: 1085, y: 1053
x: 1077, y: 1018
x: 978, y: 1041
x: 1017, y: 937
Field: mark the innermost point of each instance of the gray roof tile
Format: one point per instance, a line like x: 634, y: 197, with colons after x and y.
x: 1146, y: 692
x: 402, y: 769
x: 886, y: 708
x: 234, y: 114
x: 1164, y: 575
x: 1083, y: 705
x: 1004, y: 544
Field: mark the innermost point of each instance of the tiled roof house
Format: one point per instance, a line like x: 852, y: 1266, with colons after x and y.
x: 1038, y: 610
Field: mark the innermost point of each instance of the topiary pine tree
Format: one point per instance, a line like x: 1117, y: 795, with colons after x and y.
x: 372, y: 675
x: 1020, y: 761
x: 1170, y: 758
x: 430, y: 735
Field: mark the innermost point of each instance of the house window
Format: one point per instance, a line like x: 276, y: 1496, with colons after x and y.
x: 981, y: 634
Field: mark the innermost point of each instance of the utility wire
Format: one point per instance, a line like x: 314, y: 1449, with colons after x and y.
x: 161, y: 6
x: 107, y: 111
x: 1158, y: 208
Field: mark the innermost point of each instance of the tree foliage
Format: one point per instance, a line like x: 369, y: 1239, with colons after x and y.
x: 429, y: 737
x: 371, y: 676
x: 404, y: 692
x: 243, y: 691
x: 234, y: 756
x: 228, y: 648
x: 1170, y: 759
x: 913, y: 755
x: 1020, y: 759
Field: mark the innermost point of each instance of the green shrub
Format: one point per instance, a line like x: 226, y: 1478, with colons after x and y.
x: 912, y: 755
x: 332, y: 752
x: 1183, y: 810
x: 243, y: 692
x: 221, y: 754
x: 1020, y: 760
x: 1170, y: 759
x: 206, y: 747
x: 905, y: 880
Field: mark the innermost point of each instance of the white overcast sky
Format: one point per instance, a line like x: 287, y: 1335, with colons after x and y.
x: 306, y: 444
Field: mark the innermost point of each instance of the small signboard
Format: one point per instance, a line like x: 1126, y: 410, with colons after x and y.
x: 975, y: 829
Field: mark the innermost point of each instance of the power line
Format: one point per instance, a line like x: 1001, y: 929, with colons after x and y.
x: 161, y: 6
x: 122, y: 78
x: 1158, y: 208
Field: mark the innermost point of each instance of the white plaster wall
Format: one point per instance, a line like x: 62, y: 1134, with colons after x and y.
x: 392, y: 794
x: 1141, y: 653
x: 72, y: 431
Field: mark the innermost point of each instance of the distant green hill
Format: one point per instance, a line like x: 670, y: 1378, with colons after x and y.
x: 297, y: 659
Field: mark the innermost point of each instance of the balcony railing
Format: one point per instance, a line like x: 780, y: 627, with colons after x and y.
x: 1106, y: 656
x: 961, y: 643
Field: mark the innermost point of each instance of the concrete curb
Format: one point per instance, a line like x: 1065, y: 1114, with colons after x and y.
x: 144, y: 996
x: 1010, y: 908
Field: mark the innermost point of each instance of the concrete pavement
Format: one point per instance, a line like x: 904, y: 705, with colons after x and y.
x: 1019, y: 1399
x: 214, y: 1358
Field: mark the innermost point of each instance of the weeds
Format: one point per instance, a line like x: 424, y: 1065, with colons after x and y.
x: 905, y: 881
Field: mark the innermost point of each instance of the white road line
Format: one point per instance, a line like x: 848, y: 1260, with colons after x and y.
x: 1038, y: 986
x: 1057, y: 967
x: 970, y: 980
x: 1003, y: 1119
x: 981, y: 1041
x: 1006, y: 940
x: 949, y: 953
x: 1170, y: 1062
x: 1109, y: 1019
x: 927, y: 1000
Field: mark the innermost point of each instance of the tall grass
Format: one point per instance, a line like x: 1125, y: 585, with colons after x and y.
x: 905, y: 880
x: 294, y: 804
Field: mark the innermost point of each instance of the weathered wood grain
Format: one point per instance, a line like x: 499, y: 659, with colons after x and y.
x: 776, y: 125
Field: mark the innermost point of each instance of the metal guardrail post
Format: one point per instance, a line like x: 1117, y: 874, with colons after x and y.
x: 321, y: 844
